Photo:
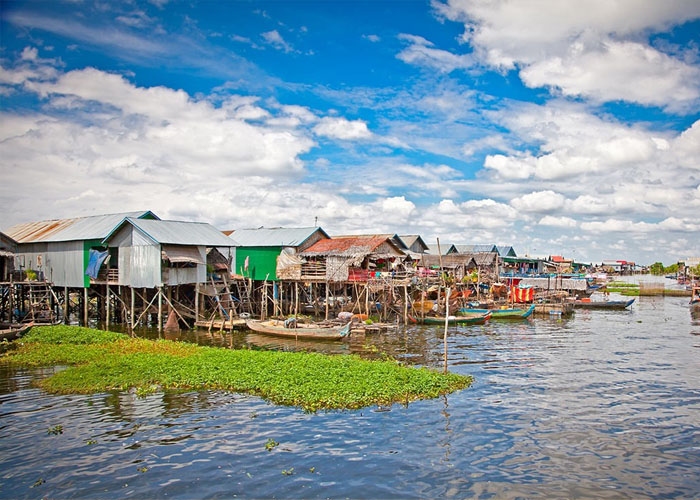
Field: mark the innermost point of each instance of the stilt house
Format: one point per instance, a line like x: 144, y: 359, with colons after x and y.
x: 59, y: 250
x: 8, y: 249
x: 269, y: 254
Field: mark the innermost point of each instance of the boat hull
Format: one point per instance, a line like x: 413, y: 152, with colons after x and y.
x: 475, y: 319
x: 278, y: 329
x: 15, y: 331
x: 510, y: 313
x: 603, y: 304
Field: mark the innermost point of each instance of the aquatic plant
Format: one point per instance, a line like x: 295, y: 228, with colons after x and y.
x: 101, y: 361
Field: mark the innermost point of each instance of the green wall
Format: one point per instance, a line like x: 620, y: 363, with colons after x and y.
x: 262, y: 262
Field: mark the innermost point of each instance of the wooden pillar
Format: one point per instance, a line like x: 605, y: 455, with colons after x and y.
x: 367, y: 298
x: 85, y: 307
x: 405, y: 304
x: 132, y: 315
x: 107, y: 308
x: 196, y: 302
x: 327, y: 299
x: 66, y: 303
x: 159, y: 291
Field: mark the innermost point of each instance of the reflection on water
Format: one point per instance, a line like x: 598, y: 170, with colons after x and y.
x: 605, y: 404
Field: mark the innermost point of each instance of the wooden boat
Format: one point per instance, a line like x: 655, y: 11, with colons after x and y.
x: 291, y: 329
x: 695, y: 300
x: 470, y: 319
x: 603, y: 304
x: 507, y: 313
x: 15, y: 331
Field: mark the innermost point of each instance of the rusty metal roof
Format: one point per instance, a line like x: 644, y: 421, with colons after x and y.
x: 93, y: 227
x: 350, y: 245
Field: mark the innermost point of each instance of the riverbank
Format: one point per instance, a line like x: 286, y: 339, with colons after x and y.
x: 101, y: 361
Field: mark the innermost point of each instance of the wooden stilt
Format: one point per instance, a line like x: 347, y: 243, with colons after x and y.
x: 132, y: 313
x: 85, y: 307
x: 159, y: 291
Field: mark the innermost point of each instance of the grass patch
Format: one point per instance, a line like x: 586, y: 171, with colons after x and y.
x: 101, y: 361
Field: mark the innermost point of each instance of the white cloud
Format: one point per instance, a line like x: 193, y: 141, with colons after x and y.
x: 342, y: 128
x: 563, y: 222
x: 274, y: 39
x: 591, y: 49
x: 420, y: 52
x: 539, y: 202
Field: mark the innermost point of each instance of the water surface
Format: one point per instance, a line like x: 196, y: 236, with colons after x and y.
x: 605, y: 404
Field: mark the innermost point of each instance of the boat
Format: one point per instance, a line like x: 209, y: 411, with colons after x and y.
x: 470, y: 319
x: 695, y: 300
x: 506, y: 313
x: 603, y: 304
x: 289, y: 328
x: 15, y: 331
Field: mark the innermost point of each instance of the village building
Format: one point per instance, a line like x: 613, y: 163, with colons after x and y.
x: 8, y: 249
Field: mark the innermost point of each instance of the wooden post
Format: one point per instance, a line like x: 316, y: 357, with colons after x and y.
x: 159, y: 291
x: 85, y: 307
x: 367, y: 298
x: 66, y: 303
x: 327, y: 297
x: 405, y: 304
x: 132, y: 315
x: 196, y: 302
x: 447, y: 319
x: 107, y: 308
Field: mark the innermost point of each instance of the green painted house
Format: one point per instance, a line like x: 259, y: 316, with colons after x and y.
x: 257, y: 250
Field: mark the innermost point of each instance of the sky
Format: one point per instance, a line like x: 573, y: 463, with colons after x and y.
x: 557, y: 127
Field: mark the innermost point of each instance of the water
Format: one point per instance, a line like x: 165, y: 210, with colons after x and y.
x: 603, y: 405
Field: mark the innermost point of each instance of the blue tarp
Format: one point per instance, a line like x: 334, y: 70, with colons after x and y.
x: 95, y: 261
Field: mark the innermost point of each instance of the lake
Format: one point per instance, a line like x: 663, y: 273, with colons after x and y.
x: 605, y: 404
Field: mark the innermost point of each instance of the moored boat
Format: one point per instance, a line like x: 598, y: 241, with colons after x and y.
x: 469, y: 319
x: 15, y: 331
x: 507, y: 313
x: 603, y: 304
x: 695, y: 300
x: 291, y: 329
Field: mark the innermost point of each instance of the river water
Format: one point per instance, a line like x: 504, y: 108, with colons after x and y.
x: 605, y: 404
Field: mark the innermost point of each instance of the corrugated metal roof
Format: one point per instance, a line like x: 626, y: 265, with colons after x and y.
x: 476, y: 248
x: 274, y: 236
x: 349, y: 245
x: 93, y: 227
x: 172, y: 232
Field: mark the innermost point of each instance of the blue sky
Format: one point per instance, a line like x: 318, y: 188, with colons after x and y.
x: 557, y: 127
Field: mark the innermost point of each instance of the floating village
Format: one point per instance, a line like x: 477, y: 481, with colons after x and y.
x: 136, y: 270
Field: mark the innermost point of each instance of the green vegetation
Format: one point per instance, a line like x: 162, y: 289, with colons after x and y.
x: 626, y: 289
x: 100, y: 361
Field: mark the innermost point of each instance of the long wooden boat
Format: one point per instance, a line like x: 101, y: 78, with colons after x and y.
x: 603, y: 304
x: 15, y: 331
x: 508, y: 313
x: 695, y: 300
x: 471, y: 319
x: 287, y: 329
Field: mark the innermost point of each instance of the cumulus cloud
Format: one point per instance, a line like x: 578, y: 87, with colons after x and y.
x: 342, y: 128
x: 539, y: 202
x: 590, y: 49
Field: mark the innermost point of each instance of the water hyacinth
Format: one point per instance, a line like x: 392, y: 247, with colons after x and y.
x: 102, y: 361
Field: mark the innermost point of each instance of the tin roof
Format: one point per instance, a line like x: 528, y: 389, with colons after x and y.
x: 274, y: 236
x: 172, y: 232
x: 94, y: 227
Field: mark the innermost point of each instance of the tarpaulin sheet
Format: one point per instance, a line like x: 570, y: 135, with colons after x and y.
x: 182, y: 254
x: 522, y: 295
x: 95, y: 260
